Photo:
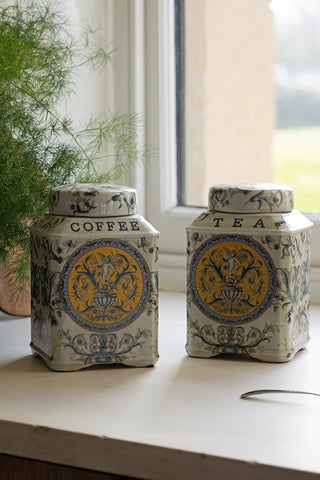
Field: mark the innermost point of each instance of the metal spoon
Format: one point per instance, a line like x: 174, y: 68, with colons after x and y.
x: 261, y: 392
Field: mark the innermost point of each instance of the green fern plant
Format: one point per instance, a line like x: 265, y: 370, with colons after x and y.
x: 40, y: 149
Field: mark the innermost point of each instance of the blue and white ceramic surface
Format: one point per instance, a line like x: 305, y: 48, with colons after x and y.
x: 248, y: 274
x: 94, y: 276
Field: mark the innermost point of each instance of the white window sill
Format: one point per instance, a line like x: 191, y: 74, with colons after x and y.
x: 182, y: 419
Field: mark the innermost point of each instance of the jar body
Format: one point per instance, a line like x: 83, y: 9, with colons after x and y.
x: 248, y: 284
x: 94, y: 291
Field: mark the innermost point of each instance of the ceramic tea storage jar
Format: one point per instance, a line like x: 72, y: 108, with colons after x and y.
x: 94, y: 280
x: 248, y: 274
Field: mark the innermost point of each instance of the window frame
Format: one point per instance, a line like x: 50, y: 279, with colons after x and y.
x: 144, y: 82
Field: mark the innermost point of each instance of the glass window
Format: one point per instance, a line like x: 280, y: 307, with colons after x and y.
x: 251, y: 96
x: 145, y: 80
x: 296, y: 141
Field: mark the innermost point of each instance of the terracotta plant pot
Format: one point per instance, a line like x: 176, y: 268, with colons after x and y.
x: 9, y: 303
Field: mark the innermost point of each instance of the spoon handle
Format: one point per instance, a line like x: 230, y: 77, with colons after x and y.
x: 261, y: 392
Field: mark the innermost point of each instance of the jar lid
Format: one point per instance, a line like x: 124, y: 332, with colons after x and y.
x: 251, y: 198
x: 92, y: 200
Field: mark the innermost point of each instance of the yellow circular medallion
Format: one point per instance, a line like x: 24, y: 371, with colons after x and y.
x: 105, y: 285
x: 232, y: 279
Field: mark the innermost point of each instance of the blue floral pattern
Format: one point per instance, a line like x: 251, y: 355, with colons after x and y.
x: 96, y: 349
x: 231, y: 340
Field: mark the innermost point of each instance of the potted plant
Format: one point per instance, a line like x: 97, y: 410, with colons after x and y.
x: 39, y: 148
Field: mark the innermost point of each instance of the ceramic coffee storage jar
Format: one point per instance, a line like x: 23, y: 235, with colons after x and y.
x: 248, y: 274
x: 94, y: 280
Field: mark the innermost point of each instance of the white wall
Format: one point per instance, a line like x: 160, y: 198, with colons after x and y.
x: 229, y: 99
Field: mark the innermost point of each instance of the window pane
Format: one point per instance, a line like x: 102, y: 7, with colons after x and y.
x: 296, y: 143
x: 252, y: 96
